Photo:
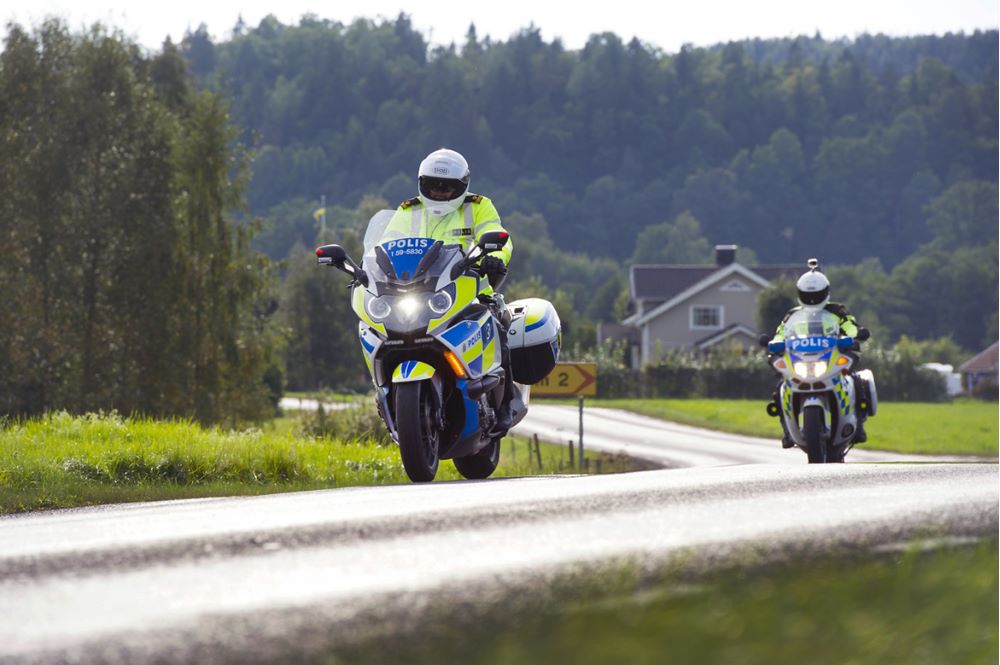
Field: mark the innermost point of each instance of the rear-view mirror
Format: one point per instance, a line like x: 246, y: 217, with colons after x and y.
x: 493, y: 241
x: 337, y: 257
x: 332, y: 255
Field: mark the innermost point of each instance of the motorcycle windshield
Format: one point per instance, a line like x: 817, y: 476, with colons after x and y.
x: 395, y: 259
x: 811, y: 331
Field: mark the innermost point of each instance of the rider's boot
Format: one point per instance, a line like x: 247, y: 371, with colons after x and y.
x: 860, y: 436
x: 504, y: 416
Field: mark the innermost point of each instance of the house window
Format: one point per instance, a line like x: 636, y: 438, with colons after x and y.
x: 706, y: 317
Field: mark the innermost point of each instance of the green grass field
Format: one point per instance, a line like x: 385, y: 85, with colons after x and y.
x: 915, y: 608
x: 64, y: 461
x: 962, y: 427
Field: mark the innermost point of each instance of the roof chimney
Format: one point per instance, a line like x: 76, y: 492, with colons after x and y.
x: 725, y: 254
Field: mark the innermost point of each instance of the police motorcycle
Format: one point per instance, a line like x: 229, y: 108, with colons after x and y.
x: 820, y: 399
x: 432, y: 346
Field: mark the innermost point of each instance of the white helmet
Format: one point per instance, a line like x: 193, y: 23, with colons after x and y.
x: 443, y: 180
x: 813, y: 286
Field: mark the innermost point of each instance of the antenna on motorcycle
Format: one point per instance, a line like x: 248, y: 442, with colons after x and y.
x: 813, y: 264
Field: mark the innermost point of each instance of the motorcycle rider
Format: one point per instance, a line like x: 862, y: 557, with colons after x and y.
x: 445, y: 210
x: 814, y: 292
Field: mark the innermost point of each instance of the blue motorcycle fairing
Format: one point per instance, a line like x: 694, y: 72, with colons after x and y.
x: 475, y: 344
x: 471, y: 411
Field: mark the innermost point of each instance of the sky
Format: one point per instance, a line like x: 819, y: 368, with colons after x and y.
x: 667, y: 24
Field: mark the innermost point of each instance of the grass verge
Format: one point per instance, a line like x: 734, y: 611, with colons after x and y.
x: 962, y: 427
x: 913, y: 608
x: 63, y: 461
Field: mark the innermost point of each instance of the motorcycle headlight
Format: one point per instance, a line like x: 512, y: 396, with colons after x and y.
x: 408, y: 306
x: 378, y: 308
x: 807, y: 370
x: 440, y: 302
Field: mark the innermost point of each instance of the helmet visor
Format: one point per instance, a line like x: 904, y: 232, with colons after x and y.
x: 442, y: 189
x: 813, y: 297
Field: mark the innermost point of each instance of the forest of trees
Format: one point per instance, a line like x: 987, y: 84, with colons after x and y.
x: 126, y: 284
x: 154, y: 264
x: 781, y: 156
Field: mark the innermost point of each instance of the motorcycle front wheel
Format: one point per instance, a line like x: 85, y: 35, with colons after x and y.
x: 812, y: 432
x: 482, y: 464
x: 416, y: 425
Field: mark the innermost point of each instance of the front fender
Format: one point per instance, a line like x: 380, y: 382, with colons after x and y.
x: 813, y: 400
x: 412, y: 370
x: 792, y: 414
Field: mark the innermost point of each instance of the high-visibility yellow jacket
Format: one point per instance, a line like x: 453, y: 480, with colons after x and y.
x: 464, y: 226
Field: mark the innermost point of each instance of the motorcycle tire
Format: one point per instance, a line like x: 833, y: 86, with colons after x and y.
x: 482, y: 464
x: 812, y: 432
x: 416, y: 425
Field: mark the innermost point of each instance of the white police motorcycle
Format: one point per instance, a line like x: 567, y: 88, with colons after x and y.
x: 820, y: 399
x: 432, y: 346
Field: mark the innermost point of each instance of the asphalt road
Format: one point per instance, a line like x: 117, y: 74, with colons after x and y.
x: 277, y: 577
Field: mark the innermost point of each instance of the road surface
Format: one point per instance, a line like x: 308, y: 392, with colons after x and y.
x: 284, y: 577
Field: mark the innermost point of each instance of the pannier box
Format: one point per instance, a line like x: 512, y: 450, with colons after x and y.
x: 534, y: 338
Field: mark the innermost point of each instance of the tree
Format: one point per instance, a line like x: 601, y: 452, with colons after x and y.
x: 863, y: 289
x: 220, y: 336
x: 774, y: 301
x: 35, y: 179
x: 315, y: 312
x: 679, y: 242
x: 715, y: 198
x: 938, y: 293
x: 965, y: 215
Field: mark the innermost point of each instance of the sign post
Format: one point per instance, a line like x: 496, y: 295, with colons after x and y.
x: 568, y: 380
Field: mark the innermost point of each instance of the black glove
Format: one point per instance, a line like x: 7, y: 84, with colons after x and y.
x: 494, y: 270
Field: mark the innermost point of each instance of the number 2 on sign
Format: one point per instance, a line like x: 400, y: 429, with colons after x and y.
x: 563, y: 379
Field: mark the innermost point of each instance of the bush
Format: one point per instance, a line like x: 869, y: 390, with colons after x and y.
x: 357, y: 422
x: 674, y: 378
x: 899, y: 379
x: 729, y: 371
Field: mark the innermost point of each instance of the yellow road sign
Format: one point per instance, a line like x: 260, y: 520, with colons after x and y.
x: 568, y: 379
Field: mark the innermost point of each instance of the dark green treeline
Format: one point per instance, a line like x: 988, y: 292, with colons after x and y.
x: 790, y: 147
x: 125, y: 284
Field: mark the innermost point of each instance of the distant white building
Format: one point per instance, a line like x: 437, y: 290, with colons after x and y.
x: 952, y: 379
